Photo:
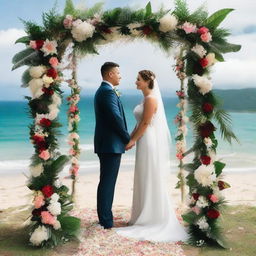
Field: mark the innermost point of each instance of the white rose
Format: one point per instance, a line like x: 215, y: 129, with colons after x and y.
x: 199, y: 50
x: 211, y: 59
x: 54, y: 208
x: 208, y: 142
x: 36, y: 170
x: 203, y: 83
x: 202, y: 223
x: 37, y: 72
x: 56, y: 99
x: 55, y: 197
x: 205, y: 175
x: 34, y: 85
x: 39, y: 235
x: 202, y: 202
x: 47, y: 80
x: 168, y: 23
x: 82, y: 30
x: 53, y: 111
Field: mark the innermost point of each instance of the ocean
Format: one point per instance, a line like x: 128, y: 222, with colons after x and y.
x: 16, y: 150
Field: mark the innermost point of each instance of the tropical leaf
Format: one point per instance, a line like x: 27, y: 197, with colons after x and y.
x: 224, y: 47
x: 225, y: 124
x: 23, y: 40
x: 70, y: 225
x: 59, y: 163
x: 216, y: 18
x: 190, y: 217
x: 25, y: 78
x: 148, y: 10
x: 218, y: 167
x: 26, y: 57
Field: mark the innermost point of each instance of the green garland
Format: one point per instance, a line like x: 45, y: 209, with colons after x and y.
x: 91, y: 28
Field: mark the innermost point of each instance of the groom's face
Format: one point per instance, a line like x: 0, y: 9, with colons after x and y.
x: 115, y: 76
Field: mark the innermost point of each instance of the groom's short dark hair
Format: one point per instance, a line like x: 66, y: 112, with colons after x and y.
x: 107, y: 66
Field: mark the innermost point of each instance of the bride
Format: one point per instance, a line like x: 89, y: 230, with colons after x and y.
x: 152, y: 217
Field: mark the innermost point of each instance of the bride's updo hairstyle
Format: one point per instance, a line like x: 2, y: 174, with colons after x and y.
x: 149, y: 76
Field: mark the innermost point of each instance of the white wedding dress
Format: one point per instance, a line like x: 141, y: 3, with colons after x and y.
x: 153, y: 217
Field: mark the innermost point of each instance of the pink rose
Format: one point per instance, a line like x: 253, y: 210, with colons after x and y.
x: 47, y: 218
x: 39, y: 202
x: 74, y: 170
x: 206, y: 37
x: 180, y: 156
x: 72, y: 152
x: 45, y: 155
x: 54, y: 62
x: 196, y: 210
x: 67, y: 22
x: 213, y: 198
x: 189, y: 28
x: 202, y: 30
x: 73, y: 109
x: 71, y: 143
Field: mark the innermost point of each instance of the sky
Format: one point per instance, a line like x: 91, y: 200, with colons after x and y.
x: 237, y: 72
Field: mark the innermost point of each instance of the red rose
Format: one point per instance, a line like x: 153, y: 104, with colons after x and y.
x: 47, y: 190
x: 206, y: 129
x: 195, y: 196
x: 147, y: 30
x: 48, y: 91
x: 202, y: 30
x: 41, y: 146
x: 204, y: 62
x: 37, y: 212
x: 52, y: 72
x: 213, y: 214
x: 39, y: 44
x: 206, y: 160
x: 45, y: 122
x: 37, y: 138
x: 207, y: 107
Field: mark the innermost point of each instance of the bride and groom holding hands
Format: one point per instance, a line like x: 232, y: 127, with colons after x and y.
x: 152, y: 216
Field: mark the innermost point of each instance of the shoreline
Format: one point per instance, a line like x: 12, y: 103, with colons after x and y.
x: 14, y: 192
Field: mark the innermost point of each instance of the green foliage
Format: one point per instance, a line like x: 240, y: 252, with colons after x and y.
x: 219, y: 166
x: 33, y: 30
x: 69, y: 8
x: 59, y: 163
x: 216, y: 18
x: 199, y: 15
x: 89, y: 13
x: 190, y: 217
x: 26, y: 57
x: 148, y: 10
x: 225, y: 124
x: 181, y: 10
x: 70, y: 225
x: 23, y: 40
x: 224, y: 47
x: 25, y: 78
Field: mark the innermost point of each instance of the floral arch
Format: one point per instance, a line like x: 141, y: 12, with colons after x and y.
x: 78, y: 33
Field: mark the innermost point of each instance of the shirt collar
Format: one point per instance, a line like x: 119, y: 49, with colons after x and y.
x: 109, y: 84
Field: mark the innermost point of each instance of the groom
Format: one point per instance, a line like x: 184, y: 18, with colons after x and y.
x: 110, y: 139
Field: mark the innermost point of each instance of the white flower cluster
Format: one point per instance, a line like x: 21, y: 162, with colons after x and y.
x: 205, y: 175
x: 82, y: 30
x: 199, y: 50
x: 202, y: 202
x: 36, y: 170
x: 168, y: 23
x: 203, y: 83
x: 202, y: 223
x: 39, y: 235
x: 54, y: 206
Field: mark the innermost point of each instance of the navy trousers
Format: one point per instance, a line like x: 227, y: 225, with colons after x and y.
x: 109, y: 167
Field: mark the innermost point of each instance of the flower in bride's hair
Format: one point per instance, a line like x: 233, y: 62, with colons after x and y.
x: 168, y: 23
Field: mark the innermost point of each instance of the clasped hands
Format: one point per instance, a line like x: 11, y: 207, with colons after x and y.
x: 130, y: 145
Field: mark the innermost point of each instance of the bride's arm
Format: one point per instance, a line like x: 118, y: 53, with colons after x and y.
x: 150, y: 106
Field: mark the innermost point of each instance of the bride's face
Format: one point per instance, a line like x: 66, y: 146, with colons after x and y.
x: 141, y: 84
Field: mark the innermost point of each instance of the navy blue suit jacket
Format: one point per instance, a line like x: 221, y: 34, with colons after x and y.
x: 111, y: 133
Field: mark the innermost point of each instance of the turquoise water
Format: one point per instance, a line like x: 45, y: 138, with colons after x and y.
x: 15, y: 147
